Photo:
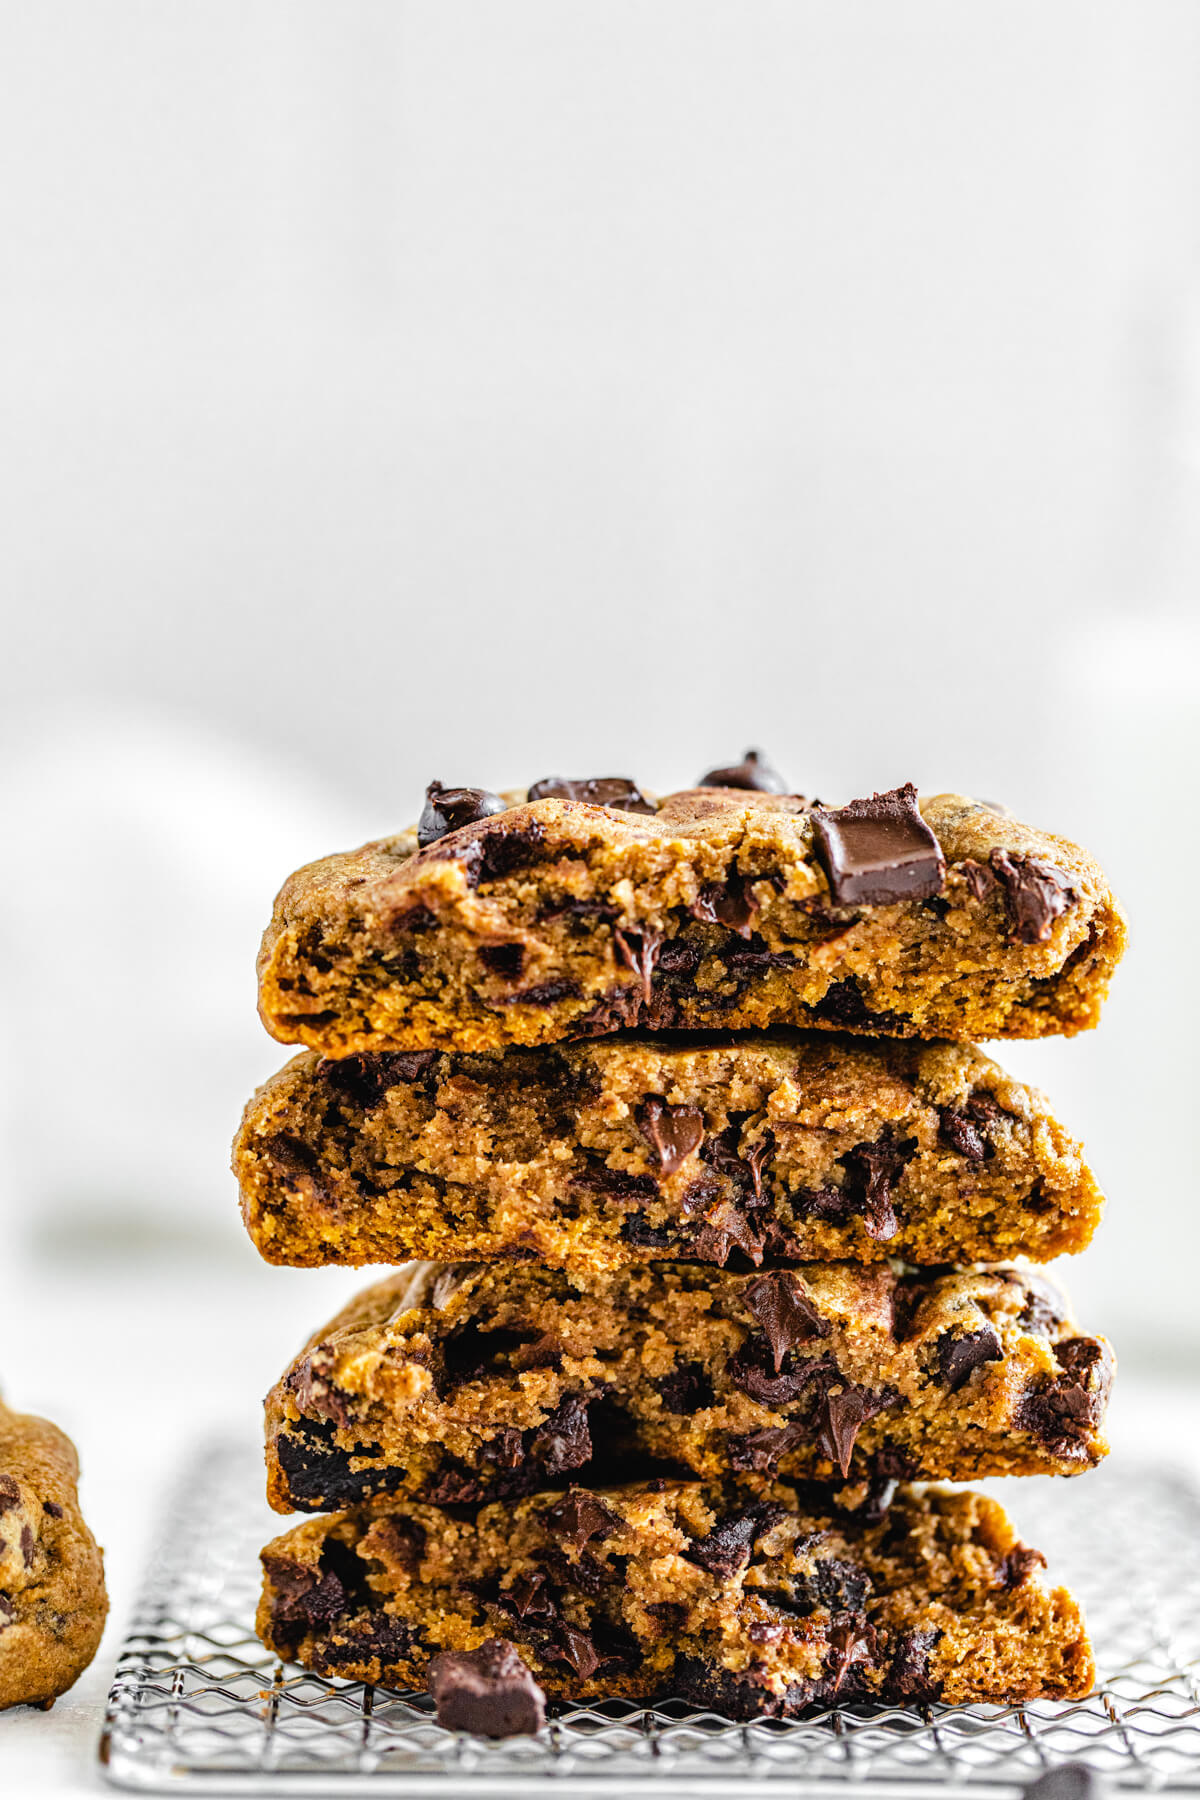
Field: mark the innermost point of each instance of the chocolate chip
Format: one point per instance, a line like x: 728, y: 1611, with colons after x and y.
x: 841, y: 1416
x: 1044, y: 1308
x: 563, y: 1441
x: 959, y: 1357
x: 686, y: 1390
x: 546, y: 993
x: 303, y: 1593
x: 965, y: 1128
x: 1063, y: 1411
x: 503, y: 850
x: 27, y: 1542
x: 613, y: 791
x: 748, y: 1369
x: 753, y: 772
x: 530, y: 1597
x: 8, y: 1611
x: 878, y: 851
x: 725, y: 1550
x: 504, y: 960
x: 489, y: 1691
x: 298, y: 1161
x: 577, y: 1648
x: 638, y: 952
x: 53, y: 1508
x: 505, y: 1448
x: 635, y: 1231
x: 1017, y: 1564
x: 672, y: 1132
x: 842, y: 1004
x: 10, y: 1493
x: 366, y: 1078
x: 908, y: 1672
x: 872, y: 1173
x: 725, y: 1228
x: 446, y: 809
x: 851, y: 1641
x: 1035, y: 894
x: 1070, y: 1781
x: 319, y: 1472
x: 759, y: 1452
x: 403, y: 1540
x: 785, y: 1312
x: 731, y: 904
x: 580, y: 1517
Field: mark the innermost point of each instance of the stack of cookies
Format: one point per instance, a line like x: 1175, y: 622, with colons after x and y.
x: 681, y: 1095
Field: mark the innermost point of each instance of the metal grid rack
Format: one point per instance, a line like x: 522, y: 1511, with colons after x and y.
x: 197, y: 1703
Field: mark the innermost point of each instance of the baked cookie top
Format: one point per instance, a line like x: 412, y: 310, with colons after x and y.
x: 575, y: 909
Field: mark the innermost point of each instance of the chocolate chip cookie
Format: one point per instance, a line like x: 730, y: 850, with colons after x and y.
x: 457, y: 1383
x: 800, y: 1147
x: 589, y: 906
x: 749, y: 1603
x: 52, y: 1596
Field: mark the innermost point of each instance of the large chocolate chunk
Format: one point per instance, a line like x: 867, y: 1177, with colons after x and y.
x: 785, y: 1312
x: 959, y: 1357
x: 597, y: 790
x: 753, y: 772
x: 748, y: 1369
x: 908, y: 1676
x: 366, y: 1078
x: 878, y: 851
x: 851, y: 1641
x: 672, y: 1132
x: 1063, y: 1411
x: 726, y: 1549
x: 872, y: 1172
x: 446, y: 809
x: 489, y: 1691
x: 580, y: 1517
x: 730, y: 903
x: 562, y: 1441
x: 1035, y: 893
x: 841, y: 1416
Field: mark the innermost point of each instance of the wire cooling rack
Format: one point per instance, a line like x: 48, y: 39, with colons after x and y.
x: 198, y: 1704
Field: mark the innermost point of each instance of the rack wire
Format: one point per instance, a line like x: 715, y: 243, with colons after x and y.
x: 198, y: 1704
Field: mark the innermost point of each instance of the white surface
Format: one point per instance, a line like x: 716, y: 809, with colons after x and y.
x: 140, y: 1371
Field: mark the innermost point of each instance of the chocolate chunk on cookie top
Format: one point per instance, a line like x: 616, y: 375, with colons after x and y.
x: 468, y: 1383
x: 586, y: 906
x: 751, y: 1608
x: 876, y: 852
x: 488, y: 1691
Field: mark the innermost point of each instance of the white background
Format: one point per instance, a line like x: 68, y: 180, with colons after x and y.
x: 489, y: 390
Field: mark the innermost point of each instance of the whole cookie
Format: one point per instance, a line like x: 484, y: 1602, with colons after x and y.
x: 53, y: 1602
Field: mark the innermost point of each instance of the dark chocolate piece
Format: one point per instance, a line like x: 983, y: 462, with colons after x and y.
x: 672, y: 1132
x: 1017, y: 1564
x: 489, y: 1691
x: 878, y: 851
x: 580, y: 1517
x: 726, y: 1549
x: 1035, y: 894
x: 785, y: 1312
x: 597, y: 790
x: 959, y: 1357
x: 446, y: 809
x: 753, y: 772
